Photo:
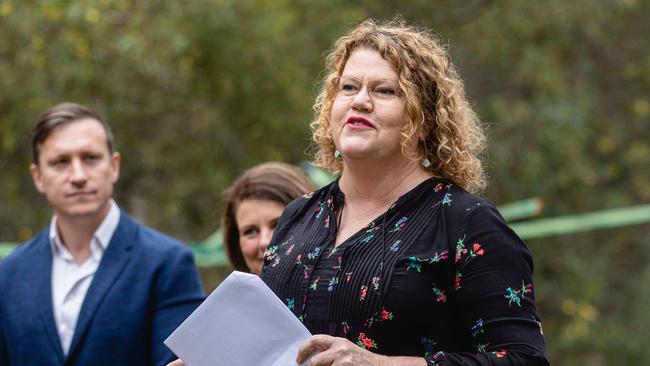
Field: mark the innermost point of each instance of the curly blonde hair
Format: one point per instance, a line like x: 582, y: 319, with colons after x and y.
x: 437, y: 111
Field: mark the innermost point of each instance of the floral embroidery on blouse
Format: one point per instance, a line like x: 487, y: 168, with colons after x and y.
x: 428, y: 346
x: 413, y: 263
x: 291, y: 303
x: 446, y: 200
x: 366, y: 342
x: 375, y: 283
x: 332, y: 284
x: 378, y: 317
x: 320, y: 209
x: 439, y: 356
x: 371, y: 229
x: 481, y: 347
x: 457, y: 281
x: 439, y: 256
x: 440, y: 294
x: 332, y: 252
x: 395, y: 246
x: 363, y: 292
x: 271, y: 251
x: 399, y: 225
x: 477, y: 328
x: 271, y: 255
x: 308, y: 195
x: 516, y: 295
x: 314, y: 284
x: 367, y: 239
x: 289, y: 250
x: 460, y: 247
x: 465, y: 254
x: 476, y: 250
x: 314, y: 254
x: 500, y: 354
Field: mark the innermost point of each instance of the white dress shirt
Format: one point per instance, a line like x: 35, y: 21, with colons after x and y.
x: 70, y: 280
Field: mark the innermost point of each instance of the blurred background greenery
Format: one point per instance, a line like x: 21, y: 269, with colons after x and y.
x: 197, y: 91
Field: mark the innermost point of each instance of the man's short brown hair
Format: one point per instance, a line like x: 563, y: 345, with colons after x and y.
x: 62, y: 114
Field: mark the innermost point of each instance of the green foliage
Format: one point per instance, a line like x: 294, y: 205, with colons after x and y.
x: 197, y: 91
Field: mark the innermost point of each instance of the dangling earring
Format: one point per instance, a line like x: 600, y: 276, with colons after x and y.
x: 425, y: 162
x: 337, y: 154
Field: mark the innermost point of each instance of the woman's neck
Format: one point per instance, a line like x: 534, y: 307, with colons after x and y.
x: 371, y: 190
x: 382, y: 184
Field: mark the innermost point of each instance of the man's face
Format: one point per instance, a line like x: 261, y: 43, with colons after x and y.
x: 76, y: 171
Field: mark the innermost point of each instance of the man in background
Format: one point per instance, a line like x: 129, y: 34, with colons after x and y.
x: 95, y: 287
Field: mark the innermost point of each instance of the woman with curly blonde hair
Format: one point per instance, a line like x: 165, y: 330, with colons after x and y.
x: 449, y: 134
x: 396, y: 262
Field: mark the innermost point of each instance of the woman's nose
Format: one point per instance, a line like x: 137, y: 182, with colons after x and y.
x: 362, y: 100
x: 265, y: 238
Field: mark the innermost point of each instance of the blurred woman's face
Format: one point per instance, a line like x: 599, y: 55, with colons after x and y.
x: 368, y: 110
x: 256, y: 220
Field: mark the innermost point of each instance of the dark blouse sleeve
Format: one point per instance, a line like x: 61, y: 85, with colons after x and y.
x: 494, y: 295
x: 283, y: 226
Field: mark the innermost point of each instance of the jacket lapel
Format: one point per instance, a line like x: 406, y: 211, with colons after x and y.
x: 115, y: 258
x: 43, y: 287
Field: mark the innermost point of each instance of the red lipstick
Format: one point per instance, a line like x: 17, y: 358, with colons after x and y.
x: 358, y: 122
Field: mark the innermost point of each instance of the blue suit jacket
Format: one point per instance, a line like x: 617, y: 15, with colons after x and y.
x: 145, y: 286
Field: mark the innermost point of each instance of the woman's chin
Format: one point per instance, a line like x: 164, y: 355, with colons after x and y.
x: 357, y: 152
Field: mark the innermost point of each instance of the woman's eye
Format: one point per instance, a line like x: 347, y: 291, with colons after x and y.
x: 385, y: 90
x: 349, y: 87
x: 250, y: 232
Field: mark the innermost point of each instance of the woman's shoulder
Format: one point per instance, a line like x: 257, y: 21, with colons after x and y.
x: 298, y: 206
x: 458, y: 203
x: 309, y: 199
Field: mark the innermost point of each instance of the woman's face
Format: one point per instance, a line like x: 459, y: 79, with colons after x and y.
x: 256, y: 220
x: 368, y: 111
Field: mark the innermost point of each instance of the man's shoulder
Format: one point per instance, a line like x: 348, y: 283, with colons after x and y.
x: 24, y: 254
x: 26, y: 250
x: 149, y: 238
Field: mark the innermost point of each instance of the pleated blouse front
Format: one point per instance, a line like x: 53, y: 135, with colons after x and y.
x: 434, y: 276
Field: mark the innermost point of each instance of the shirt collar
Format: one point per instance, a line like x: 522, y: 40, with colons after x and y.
x: 105, y: 231
x: 101, y: 238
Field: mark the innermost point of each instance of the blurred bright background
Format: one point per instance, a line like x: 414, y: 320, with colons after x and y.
x: 197, y: 91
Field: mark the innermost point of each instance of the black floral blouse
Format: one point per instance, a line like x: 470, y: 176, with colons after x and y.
x: 439, y: 275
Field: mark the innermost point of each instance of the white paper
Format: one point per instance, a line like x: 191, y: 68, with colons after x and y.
x: 241, y: 323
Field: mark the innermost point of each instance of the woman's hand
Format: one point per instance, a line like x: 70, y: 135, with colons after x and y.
x: 334, y: 351
x: 176, y: 363
x: 337, y: 352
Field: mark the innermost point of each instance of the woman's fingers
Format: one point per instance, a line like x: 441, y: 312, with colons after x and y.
x: 318, y: 342
x: 325, y: 358
x: 176, y: 363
